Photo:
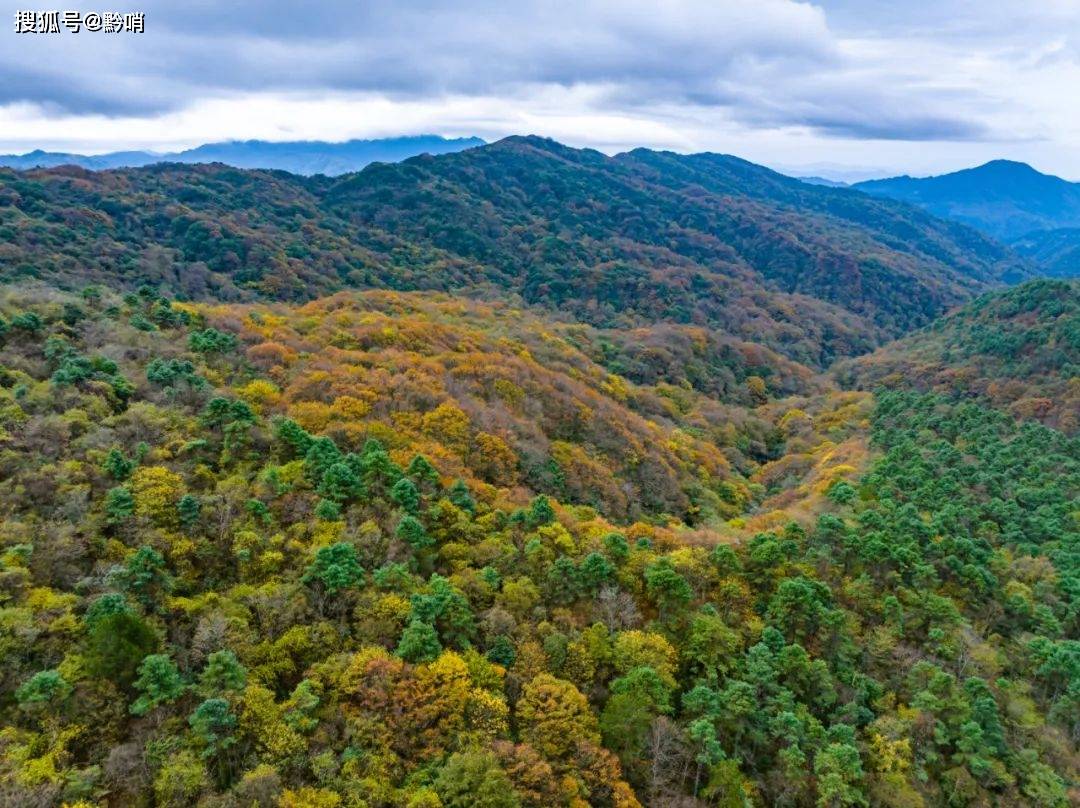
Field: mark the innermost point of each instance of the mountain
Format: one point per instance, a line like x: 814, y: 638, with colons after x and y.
x: 525, y: 476
x: 1056, y: 252
x: 824, y: 181
x: 640, y: 238
x: 1017, y: 350
x: 1003, y: 198
x: 298, y: 157
x: 316, y: 157
x: 95, y: 162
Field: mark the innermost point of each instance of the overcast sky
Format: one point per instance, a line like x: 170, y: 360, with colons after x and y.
x: 839, y: 87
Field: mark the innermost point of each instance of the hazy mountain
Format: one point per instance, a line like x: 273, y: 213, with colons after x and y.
x: 299, y: 157
x: 94, y: 162
x: 825, y: 181
x: 1057, y: 252
x: 1003, y: 198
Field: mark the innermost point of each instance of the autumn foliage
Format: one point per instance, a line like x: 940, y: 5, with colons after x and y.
x: 403, y: 549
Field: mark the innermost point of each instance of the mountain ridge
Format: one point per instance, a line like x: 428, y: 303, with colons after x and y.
x: 710, y: 206
x: 1003, y: 198
x: 305, y: 157
x: 638, y: 238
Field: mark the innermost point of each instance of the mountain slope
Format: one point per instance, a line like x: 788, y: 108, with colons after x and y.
x: 642, y: 238
x: 298, y: 157
x: 812, y: 180
x: 899, y: 227
x: 651, y: 421
x: 1056, y: 252
x: 94, y: 162
x: 1018, y: 350
x: 1003, y: 198
x: 570, y: 223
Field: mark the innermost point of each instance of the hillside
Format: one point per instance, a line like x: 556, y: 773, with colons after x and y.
x: 652, y: 420
x: 298, y: 157
x: 815, y: 180
x: 812, y: 273
x: 1057, y: 252
x: 1018, y: 350
x: 294, y: 555
x: 1003, y: 198
x: 644, y: 228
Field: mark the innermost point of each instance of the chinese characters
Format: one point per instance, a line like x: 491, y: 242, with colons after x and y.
x: 52, y: 22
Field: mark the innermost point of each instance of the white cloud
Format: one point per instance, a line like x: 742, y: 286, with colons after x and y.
x: 777, y: 81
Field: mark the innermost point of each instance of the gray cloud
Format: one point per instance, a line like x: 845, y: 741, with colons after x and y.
x: 767, y: 63
x: 868, y: 126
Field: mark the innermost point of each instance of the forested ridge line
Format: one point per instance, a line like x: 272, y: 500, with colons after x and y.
x: 640, y: 239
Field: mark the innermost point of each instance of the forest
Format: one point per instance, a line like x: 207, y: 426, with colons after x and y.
x: 408, y: 549
x: 526, y: 477
x: 1018, y: 350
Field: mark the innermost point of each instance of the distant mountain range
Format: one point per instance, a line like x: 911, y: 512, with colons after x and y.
x: 1037, y: 214
x: 307, y: 157
x: 825, y: 181
x: 1008, y: 200
x: 1003, y: 198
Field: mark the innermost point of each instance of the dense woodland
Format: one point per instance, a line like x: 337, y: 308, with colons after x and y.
x: 1019, y: 350
x: 389, y: 549
x: 302, y: 514
x: 1057, y: 251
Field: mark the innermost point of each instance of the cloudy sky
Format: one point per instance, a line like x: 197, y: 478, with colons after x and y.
x: 846, y: 88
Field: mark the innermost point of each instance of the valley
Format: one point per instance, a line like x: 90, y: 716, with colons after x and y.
x: 530, y: 476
